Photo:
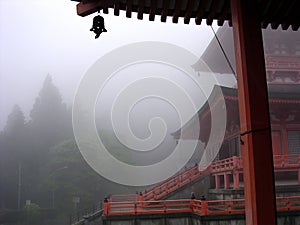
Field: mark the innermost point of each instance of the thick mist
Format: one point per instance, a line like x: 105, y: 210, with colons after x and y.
x: 45, y: 51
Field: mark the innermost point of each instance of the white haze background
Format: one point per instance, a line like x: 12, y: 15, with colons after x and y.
x: 40, y: 37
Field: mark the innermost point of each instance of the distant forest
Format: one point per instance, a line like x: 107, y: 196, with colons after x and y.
x: 43, y: 177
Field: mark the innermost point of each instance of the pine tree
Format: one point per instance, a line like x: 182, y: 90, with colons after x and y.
x: 13, y: 152
x: 50, y: 120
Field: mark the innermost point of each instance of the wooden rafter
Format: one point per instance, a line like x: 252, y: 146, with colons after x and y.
x: 275, y: 13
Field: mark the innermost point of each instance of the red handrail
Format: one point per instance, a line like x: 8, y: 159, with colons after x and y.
x: 214, y: 207
x: 281, y: 162
x: 286, y: 161
x: 232, y: 163
x: 174, y: 183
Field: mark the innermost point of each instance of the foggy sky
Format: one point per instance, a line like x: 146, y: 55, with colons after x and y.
x: 40, y: 37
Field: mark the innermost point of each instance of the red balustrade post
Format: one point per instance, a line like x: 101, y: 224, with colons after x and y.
x: 196, y: 207
x: 164, y: 206
x: 106, y: 207
x: 190, y: 175
x: 229, y: 208
x: 179, y: 181
x: 192, y: 204
x: 287, y: 204
x: 204, y: 207
x: 135, y: 208
x: 141, y: 199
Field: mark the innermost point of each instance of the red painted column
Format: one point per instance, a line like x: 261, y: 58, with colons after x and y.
x: 236, y: 179
x: 217, y: 181
x: 226, y: 181
x: 254, y: 114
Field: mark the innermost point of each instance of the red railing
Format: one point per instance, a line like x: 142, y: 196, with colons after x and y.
x: 234, y: 162
x: 286, y: 161
x: 174, y: 183
x: 215, y: 207
x: 281, y: 162
x: 285, y: 63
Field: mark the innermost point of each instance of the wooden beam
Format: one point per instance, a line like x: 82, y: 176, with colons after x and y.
x: 176, y: 11
x: 141, y: 9
x: 255, y: 128
x: 89, y: 7
x: 105, y: 10
x: 164, y: 12
x: 188, y: 11
x: 116, y: 7
x: 225, y: 12
x: 153, y: 6
x: 129, y: 8
x: 200, y: 11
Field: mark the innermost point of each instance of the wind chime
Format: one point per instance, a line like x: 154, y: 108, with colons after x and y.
x: 98, y: 25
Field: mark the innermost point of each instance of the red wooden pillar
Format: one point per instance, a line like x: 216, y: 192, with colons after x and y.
x: 226, y: 181
x: 236, y: 179
x: 106, y: 208
x: 217, y: 181
x: 254, y: 114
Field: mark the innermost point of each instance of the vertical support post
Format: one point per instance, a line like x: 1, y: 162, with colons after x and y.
x: 226, y: 181
x: 236, y: 179
x: 284, y: 140
x: 135, y: 208
x: 254, y: 114
x: 298, y: 176
x: 217, y: 181
x: 204, y: 207
x: 106, y: 210
x: 179, y: 180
